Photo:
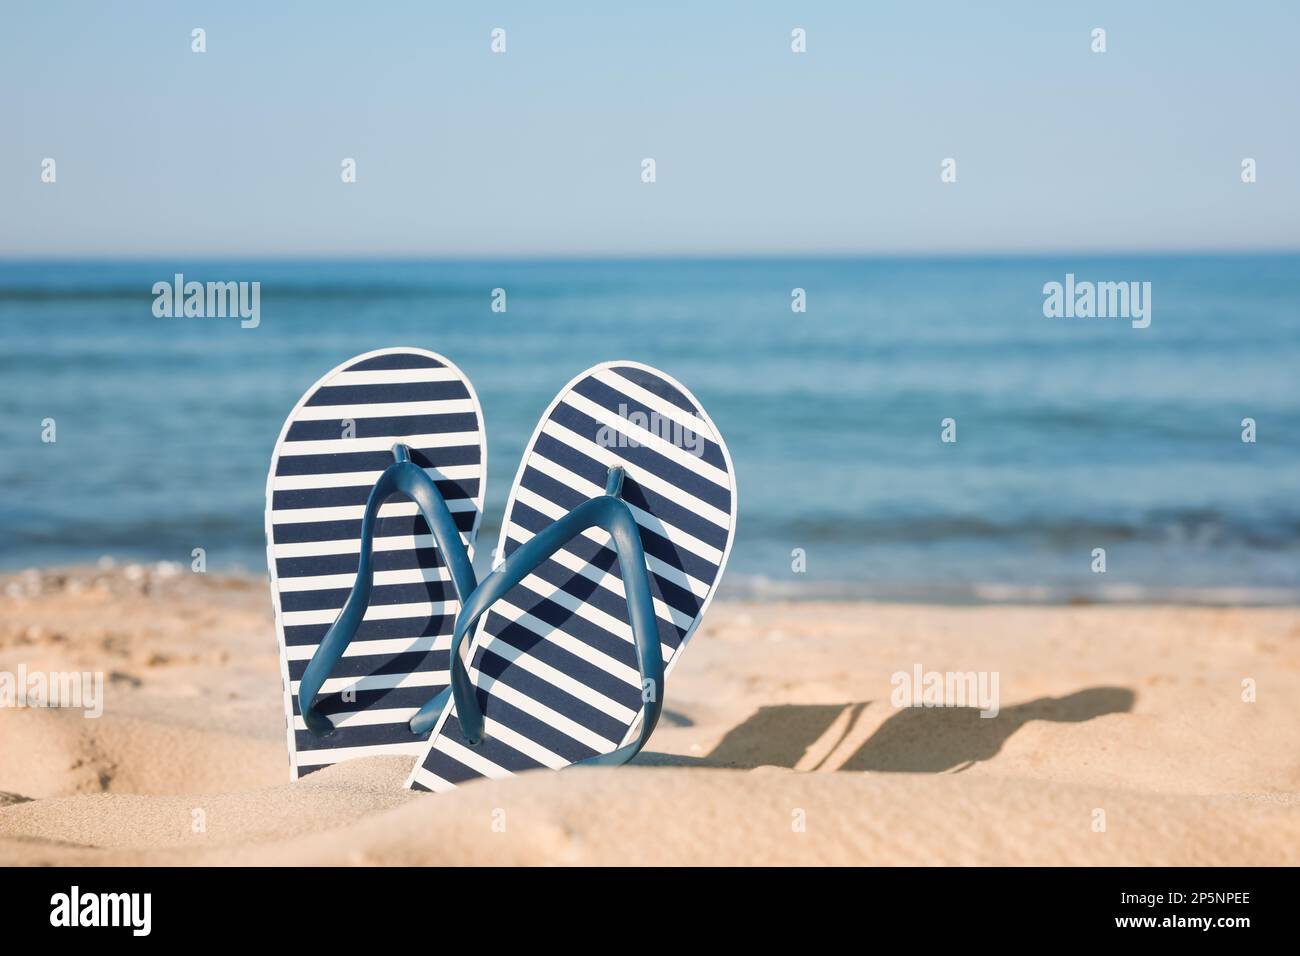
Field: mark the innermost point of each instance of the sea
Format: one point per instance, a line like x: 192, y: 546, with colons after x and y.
x: 1087, y: 459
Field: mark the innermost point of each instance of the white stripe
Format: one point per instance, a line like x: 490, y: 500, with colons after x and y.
x: 350, y: 479
x: 469, y: 758
x: 392, y: 509
x: 399, y: 376
x: 552, y: 718
x: 431, y: 781
x: 359, y: 410
x: 556, y: 678
x: 648, y: 479
x: 512, y: 739
x: 521, y: 535
x: 337, y: 685
x: 614, y: 583
x: 589, y: 613
x: 315, y: 758
x: 644, y: 518
x: 327, y: 582
x: 387, y: 646
x: 398, y: 542
x: 573, y: 480
x: 650, y: 400
x: 648, y: 439
x: 376, y: 612
x: 560, y: 639
x: 366, y: 718
x: 338, y: 446
x: 529, y: 748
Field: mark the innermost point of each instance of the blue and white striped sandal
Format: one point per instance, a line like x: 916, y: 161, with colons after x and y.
x: 366, y: 589
x: 615, y: 537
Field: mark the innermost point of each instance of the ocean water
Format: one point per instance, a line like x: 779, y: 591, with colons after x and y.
x: 1072, y: 434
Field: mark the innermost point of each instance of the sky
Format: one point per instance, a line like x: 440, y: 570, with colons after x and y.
x: 237, y: 152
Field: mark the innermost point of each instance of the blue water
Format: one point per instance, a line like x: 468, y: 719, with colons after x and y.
x: 1073, y: 434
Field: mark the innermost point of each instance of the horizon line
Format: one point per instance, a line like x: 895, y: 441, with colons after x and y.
x: 719, y: 256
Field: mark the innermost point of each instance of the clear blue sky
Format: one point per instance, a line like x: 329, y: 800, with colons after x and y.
x: 236, y: 152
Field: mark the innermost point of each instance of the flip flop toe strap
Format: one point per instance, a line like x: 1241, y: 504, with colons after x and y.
x: 409, y: 479
x: 610, y: 513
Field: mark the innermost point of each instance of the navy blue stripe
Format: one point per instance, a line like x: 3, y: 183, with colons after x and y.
x: 605, y: 559
x: 669, y: 430
x: 395, y: 360
x: 350, y: 529
x: 563, y: 620
x: 449, y: 769
x: 347, y: 461
x: 331, y: 428
x: 633, y: 493
x: 440, y: 765
x: 643, y: 457
x: 602, y: 599
x: 389, y: 392
x: 657, y: 386
x: 543, y: 734
x: 541, y: 649
x: 334, y: 598
x: 451, y: 490
x: 300, y: 635
x: 380, y: 698
x: 315, y: 565
x: 503, y: 755
x: 364, y: 735
x: 367, y: 665
x: 654, y: 544
x: 544, y: 692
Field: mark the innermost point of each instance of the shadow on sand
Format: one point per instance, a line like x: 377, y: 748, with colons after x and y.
x: 912, y: 740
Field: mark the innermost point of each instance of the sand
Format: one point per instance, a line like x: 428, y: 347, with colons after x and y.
x: 1123, y: 738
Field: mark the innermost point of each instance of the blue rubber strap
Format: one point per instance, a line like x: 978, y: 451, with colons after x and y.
x: 610, y: 512
x: 402, y: 477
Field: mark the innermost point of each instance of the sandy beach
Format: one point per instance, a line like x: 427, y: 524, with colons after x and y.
x: 1122, y: 738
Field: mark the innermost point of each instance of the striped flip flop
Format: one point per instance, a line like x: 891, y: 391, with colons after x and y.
x: 615, y: 537
x: 373, y: 502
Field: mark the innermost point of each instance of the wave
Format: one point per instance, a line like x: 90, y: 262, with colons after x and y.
x: 1195, y: 527
x: 752, y: 587
x: 1191, y: 526
x: 301, y: 291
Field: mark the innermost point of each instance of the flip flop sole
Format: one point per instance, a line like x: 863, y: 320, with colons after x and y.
x: 334, y: 445
x: 553, y: 662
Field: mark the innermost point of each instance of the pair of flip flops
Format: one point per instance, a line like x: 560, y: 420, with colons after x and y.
x: 615, y: 536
